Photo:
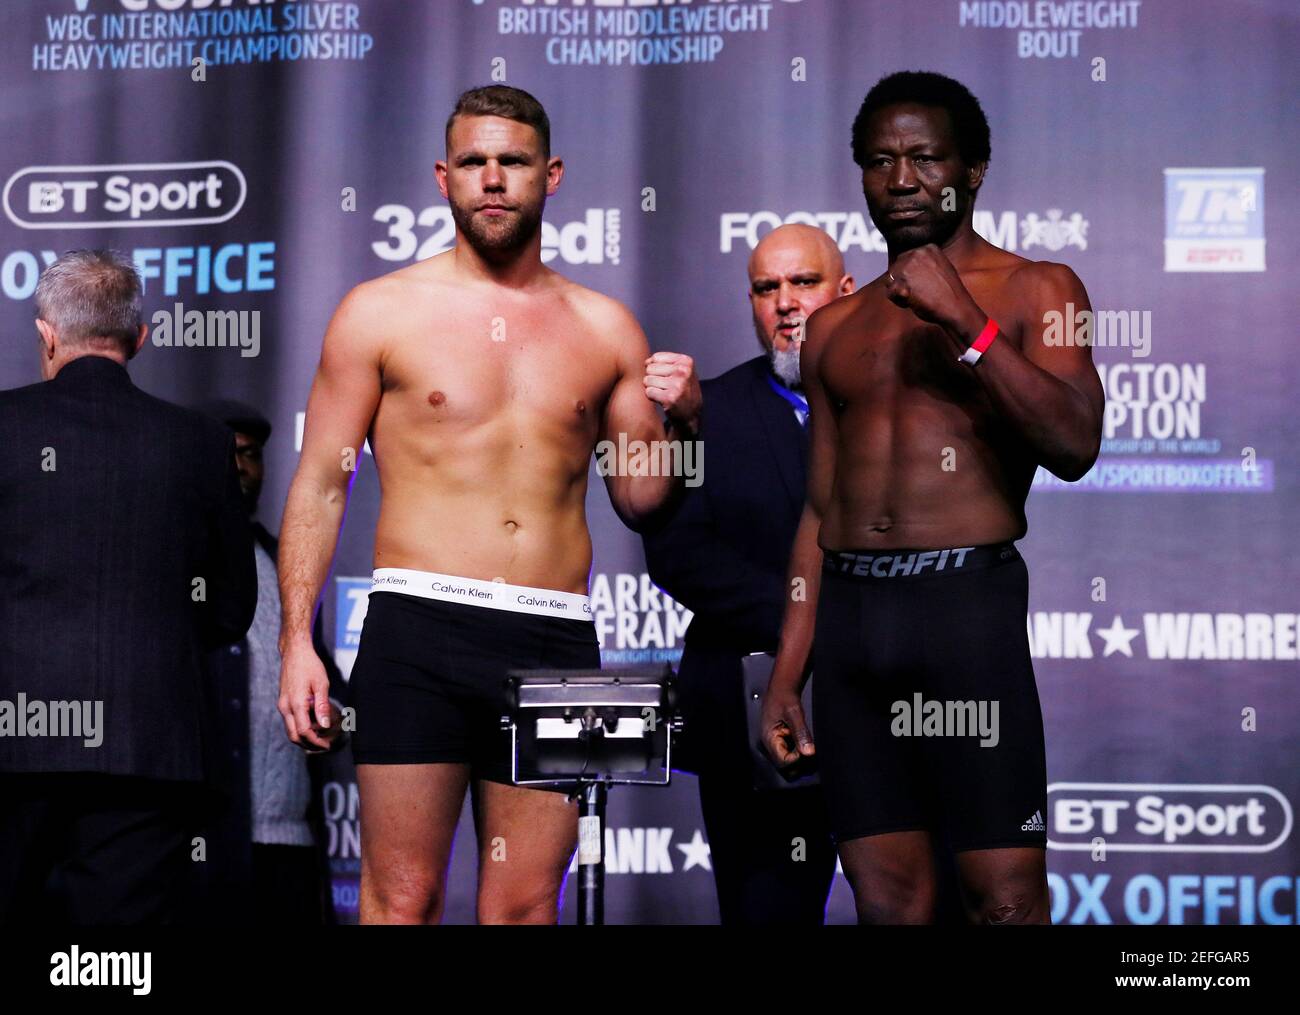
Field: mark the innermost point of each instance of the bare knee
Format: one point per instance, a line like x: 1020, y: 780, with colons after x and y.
x: 914, y: 907
x: 519, y: 905
x: 892, y: 877
x: 894, y: 897
x: 411, y: 897
x: 1012, y: 905
x: 1006, y: 886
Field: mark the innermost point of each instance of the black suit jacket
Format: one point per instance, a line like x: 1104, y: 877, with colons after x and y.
x: 724, y: 553
x: 98, y: 559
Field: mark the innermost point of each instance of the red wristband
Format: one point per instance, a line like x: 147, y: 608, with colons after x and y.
x: 981, y: 343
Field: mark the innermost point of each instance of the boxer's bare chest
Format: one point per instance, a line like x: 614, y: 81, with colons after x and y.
x: 881, y: 360
x: 474, y: 362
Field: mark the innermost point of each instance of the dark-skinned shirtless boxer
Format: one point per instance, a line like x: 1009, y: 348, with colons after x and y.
x: 484, y: 381
x: 933, y: 399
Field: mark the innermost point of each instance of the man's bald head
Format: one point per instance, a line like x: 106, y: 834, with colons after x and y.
x: 795, y: 270
x: 799, y: 240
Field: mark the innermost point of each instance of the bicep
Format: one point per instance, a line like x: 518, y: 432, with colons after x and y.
x: 344, y: 393
x: 1056, y: 295
x: 628, y: 410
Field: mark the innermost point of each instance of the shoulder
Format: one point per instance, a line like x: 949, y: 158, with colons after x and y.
x: 608, y: 323
x: 370, y: 313
x: 394, y: 291
x: 25, y: 395
x: 727, y: 397
x: 1037, y: 289
x: 602, y: 312
x: 1041, y: 279
x: 385, y: 292
x: 738, y: 378
x: 196, y: 443
x: 843, y: 307
x: 21, y: 410
x: 194, y: 425
x: 824, y: 320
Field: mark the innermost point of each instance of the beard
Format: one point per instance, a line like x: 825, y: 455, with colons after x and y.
x: 785, y: 364
x: 495, y: 238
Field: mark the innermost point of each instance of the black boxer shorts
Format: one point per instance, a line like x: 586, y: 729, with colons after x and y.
x: 925, y: 710
x: 428, y: 684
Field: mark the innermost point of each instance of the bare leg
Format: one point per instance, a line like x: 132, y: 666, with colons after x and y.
x: 408, y: 821
x: 526, y: 839
x: 1006, y: 885
x: 892, y: 876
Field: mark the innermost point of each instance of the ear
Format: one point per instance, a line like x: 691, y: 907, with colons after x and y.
x: 144, y: 330
x: 48, y: 338
x: 847, y: 285
x: 975, y: 175
x: 440, y: 172
x: 554, y: 174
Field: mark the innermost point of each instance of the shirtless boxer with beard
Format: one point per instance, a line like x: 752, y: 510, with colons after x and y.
x: 484, y: 380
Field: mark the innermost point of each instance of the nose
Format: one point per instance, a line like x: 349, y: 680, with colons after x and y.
x: 902, y: 177
x: 492, y: 178
x: 785, y: 301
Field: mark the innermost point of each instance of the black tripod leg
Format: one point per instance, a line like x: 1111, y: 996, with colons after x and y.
x: 591, y: 858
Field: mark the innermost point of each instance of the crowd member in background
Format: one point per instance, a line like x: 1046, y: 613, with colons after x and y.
x: 723, y: 555
x: 126, y: 554
x: 268, y: 857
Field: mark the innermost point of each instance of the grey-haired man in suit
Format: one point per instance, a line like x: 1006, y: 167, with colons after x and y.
x: 126, y: 554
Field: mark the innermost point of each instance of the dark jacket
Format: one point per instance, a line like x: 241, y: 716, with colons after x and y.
x: 724, y: 554
x: 113, y: 504
x: 225, y: 884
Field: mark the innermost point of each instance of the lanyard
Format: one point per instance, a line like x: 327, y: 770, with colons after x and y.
x: 798, y: 401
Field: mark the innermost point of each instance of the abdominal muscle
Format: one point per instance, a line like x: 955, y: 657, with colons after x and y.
x: 884, y: 498
x: 495, y: 513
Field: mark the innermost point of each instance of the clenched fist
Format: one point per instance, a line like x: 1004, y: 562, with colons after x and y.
x: 924, y: 281
x: 671, y: 382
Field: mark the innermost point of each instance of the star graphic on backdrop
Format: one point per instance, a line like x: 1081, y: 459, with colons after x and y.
x: 1118, y: 638
x: 696, y: 852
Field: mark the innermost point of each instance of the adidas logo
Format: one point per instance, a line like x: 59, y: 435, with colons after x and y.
x: 1034, y: 824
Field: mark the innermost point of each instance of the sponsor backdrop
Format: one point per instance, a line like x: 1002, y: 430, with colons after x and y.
x: 1149, y: 144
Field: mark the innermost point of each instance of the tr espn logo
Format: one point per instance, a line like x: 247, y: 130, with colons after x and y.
x: 124, y: 196
x: 1214, y: 219
x: 1167, y: 817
